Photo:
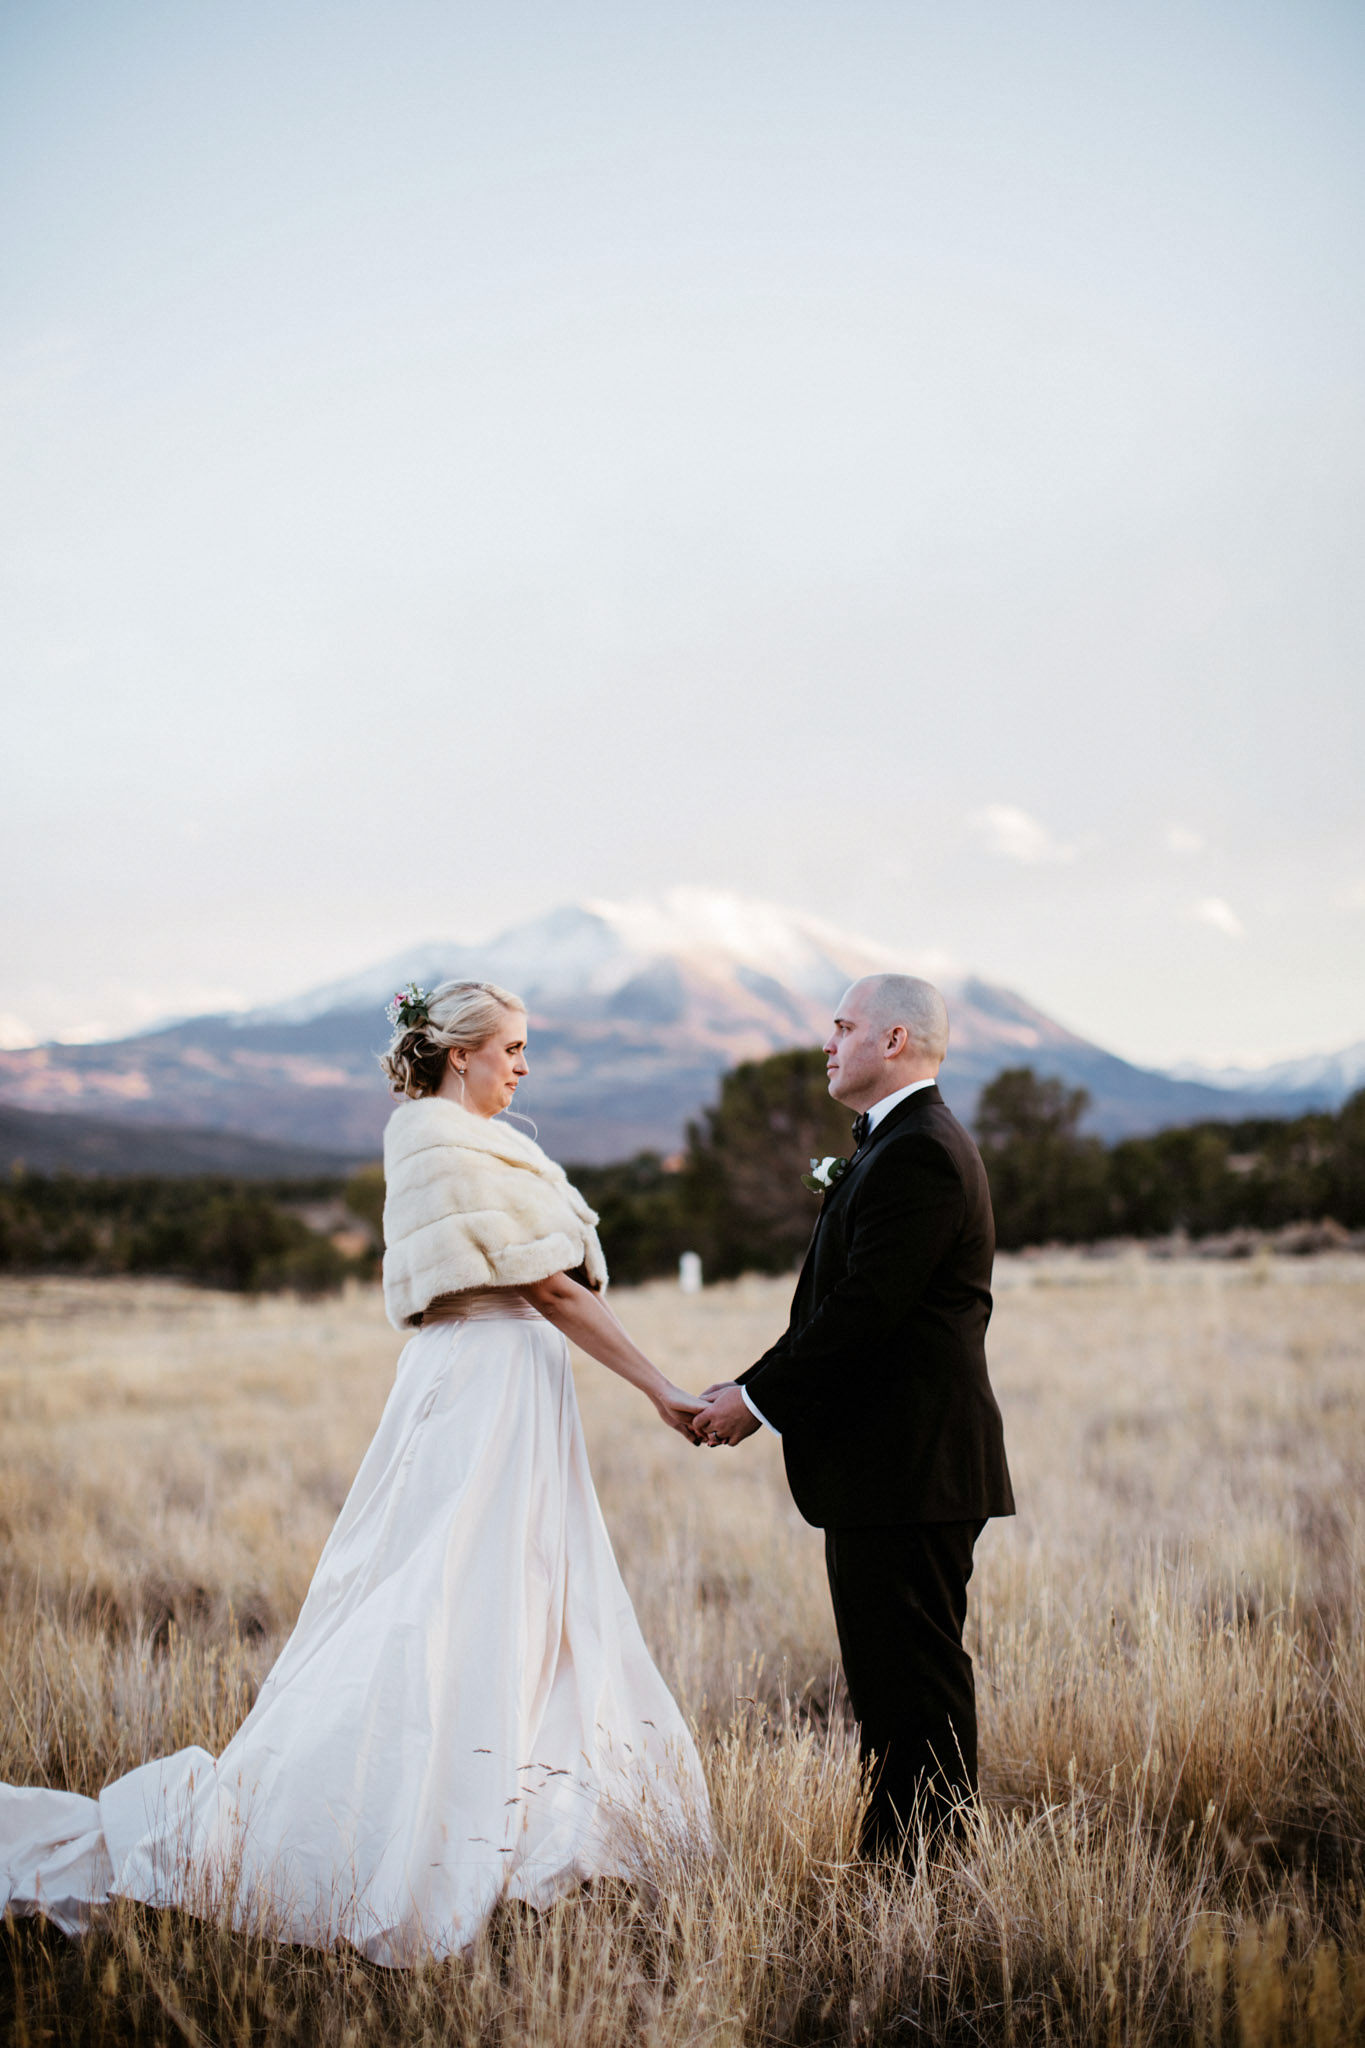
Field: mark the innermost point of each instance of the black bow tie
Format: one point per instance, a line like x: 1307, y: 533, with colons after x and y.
x: 862, y: 1124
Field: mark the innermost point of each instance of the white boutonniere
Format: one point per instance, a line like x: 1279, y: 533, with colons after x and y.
x: 823, y: 1174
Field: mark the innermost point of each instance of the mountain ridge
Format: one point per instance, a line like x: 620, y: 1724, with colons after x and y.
x: 55, y: 1141
x: 636, y: 1010
x: 1342, y: 1071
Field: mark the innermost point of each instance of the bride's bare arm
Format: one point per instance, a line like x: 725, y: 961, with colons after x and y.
x: 586, y: 1321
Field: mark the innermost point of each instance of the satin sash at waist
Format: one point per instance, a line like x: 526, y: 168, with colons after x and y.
x: 477, y: 1302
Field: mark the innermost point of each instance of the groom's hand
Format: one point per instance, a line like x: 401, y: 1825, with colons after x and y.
x: 706, y: 1397
x: 726, y: 1418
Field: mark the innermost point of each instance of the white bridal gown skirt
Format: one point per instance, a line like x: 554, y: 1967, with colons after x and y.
x: 466, y: 1709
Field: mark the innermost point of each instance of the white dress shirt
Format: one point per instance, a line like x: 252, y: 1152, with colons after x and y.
x: 874, y: 1116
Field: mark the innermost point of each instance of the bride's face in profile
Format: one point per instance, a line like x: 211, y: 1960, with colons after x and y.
x: 490, y: 1072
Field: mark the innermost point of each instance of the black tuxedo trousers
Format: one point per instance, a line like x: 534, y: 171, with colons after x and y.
x: 900, y: 1603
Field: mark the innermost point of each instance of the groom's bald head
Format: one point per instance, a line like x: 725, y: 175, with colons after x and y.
x: 890, y: 1030
x: 891, y: 999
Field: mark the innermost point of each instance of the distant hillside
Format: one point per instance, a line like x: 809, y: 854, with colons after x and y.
x: 636, y: 1011
x: 57, y: 1142
x: 1327, y: 1076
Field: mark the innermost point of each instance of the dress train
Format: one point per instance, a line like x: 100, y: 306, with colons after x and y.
x: 465, y: 1710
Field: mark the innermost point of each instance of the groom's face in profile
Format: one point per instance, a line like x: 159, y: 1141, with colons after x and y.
x: 855, y: 1053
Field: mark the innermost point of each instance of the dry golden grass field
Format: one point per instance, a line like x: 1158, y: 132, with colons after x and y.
x: 1171, y: 1667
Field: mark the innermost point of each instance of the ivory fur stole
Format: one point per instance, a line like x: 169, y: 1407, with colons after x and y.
x: 470, y: 1202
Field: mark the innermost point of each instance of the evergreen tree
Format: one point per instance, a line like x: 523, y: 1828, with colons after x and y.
x: 746, y: 1156
x: 1047, y: 1180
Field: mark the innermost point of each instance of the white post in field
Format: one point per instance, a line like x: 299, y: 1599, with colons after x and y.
x: 689, y: 1273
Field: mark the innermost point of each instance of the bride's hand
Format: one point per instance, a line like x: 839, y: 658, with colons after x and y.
x: 677, y: 1408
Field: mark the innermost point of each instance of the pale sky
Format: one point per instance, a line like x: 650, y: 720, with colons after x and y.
x: 901, y: 461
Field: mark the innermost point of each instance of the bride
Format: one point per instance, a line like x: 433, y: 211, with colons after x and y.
x: 466, y: 1709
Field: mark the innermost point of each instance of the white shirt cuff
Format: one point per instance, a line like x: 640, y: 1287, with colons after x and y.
x: 757, y: 1413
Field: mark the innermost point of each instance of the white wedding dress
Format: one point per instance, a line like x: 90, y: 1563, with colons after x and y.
x: 465, y: 1711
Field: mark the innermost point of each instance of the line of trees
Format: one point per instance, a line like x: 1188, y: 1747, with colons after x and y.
x: 248, y: 1236
x: 735, y: 1196
x: 738, y: 1199
x: 1049, y: 1182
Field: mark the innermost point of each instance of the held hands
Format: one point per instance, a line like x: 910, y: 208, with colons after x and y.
x: 678, y: 1408
x: 725, y: 1417
x: 719, y: 1416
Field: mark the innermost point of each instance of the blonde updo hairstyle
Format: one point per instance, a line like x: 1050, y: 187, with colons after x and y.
x: 461, y: 1015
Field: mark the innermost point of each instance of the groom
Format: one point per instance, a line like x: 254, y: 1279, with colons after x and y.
x: 878, y: 1387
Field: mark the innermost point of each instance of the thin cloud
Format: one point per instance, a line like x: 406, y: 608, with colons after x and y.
x: 15, y: 1035
x: 1180, y: 839
x: 1005, y: 830
x: 1219, y: 913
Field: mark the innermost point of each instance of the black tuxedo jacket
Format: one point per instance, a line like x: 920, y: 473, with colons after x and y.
x: 879, y: 1382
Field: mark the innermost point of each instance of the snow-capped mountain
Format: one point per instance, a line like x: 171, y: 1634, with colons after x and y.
x: 636, y: 1009
x: 1331, y: 1076
x: 582, y: 956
